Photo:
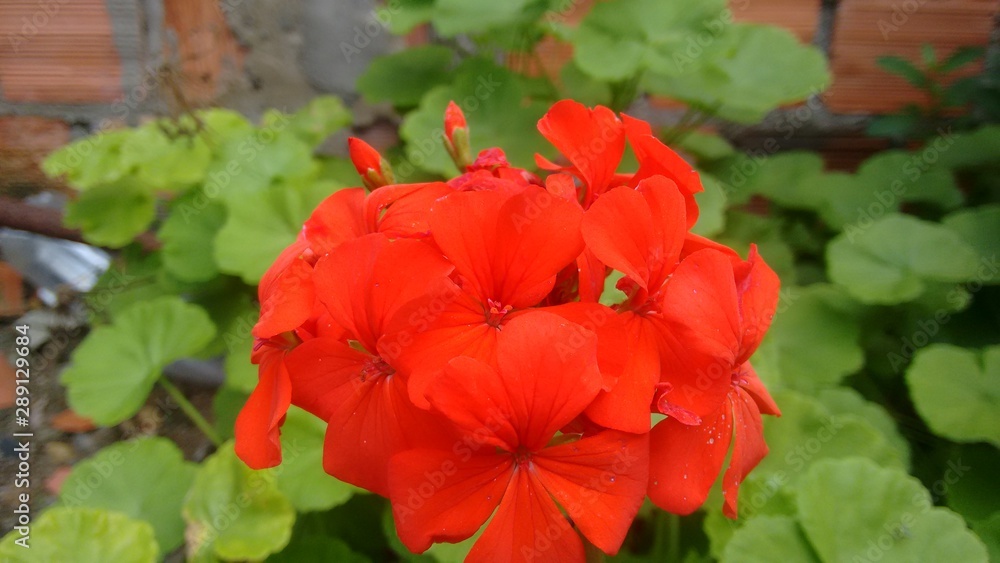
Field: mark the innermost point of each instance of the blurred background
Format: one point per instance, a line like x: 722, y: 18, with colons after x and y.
x: 155, y: 155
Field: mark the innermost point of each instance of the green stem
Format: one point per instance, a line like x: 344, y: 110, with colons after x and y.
x: 674, y: 547
x: 190, y: 410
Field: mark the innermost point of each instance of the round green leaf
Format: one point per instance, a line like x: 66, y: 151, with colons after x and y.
x: 187, y: 237
x: 622, y: 38
x: 234, y: 512
x: 314, y: 122
x: 166, y: 163
x: 112, y: 372
x: 91, y: 161
x: 112, y: 214
x: 744, y: 73
x: 957, y: 391
x: 712, y: 206
x: 301, y: 476
x: 766, y: 539
x: 890, y: 260
x: 145, y: 479
x: 813, y: 340
x: 260, y: 224
x: 64, y: 534
x: 851, y: 509
x: 980, y: 227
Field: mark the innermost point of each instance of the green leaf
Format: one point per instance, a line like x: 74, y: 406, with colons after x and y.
x: 226, y: 406
x: 769, y: 538
x: 899, y: 126
x: 112, y: 215
x: 961, y: 57
x: 809, y: 431
x: 967, y: 479
x: 301, y: 476
x: 957, y: 391
x: 705, y: 147
x: 454, y: 17
x: 317, y: 548
x: 83, y: 534
x: 813, y: 340
x: 761, y: 495
x: 893, y: 259
x: 114, y: 369
x: 847, y: 401
x: 403, y: 78
x: 980, y: 228
x: 145, y: 479
x: 904, y: 68
x: 712, y: 206
x: 745, y: 73
x: 493, y: 101
x: 969, y: 150
x: 188, y: 236
x: 91, y: 161
x: 252, y: 161
x: 910, y: 176
x: 314, y: 122
x: 853, y: 509
x: 234, y: 512
x: 164, y: 163
x: 240, y: 373
x: 989, y: 531
x: 620, y: 39
x: 788, y: 178
x: 583, y: 88
x: 261, y: 224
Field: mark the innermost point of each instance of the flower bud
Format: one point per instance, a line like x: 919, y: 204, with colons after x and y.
x: 374, y: 170
x: 456, y: 136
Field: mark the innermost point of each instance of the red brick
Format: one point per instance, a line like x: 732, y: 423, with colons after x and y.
x: 24, y: 142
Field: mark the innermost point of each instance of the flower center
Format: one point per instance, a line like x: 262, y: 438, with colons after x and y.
x: 375, y: 366
x: 496, y: 312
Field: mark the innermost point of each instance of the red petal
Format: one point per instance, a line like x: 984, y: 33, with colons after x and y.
x: 612, y: 336
x: 548, y: 367
x: 753, y: 385
x: 592, y: 274
x: 376, y: 422
x: 324, y: 374
x: 444, y: 495
x: 748, y: 451
x: 539, y: 234
x: 699, y: 334
x: 758, y: 287
x: 428, y: 332
x: 339, y: 218
x: 473, y: 396
x: 626, y: 405
x: 258, y: 426
x: 639, y: 233
x: 528, y: 526
x: 684, y: 461
x: 401, y: 210
x: 592, y: 139
x: 287, y: 296
x: 600, y: 481
x: 364, y: 282
x: 657, y: 159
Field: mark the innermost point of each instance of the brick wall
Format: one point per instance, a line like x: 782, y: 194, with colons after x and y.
x: 71, y: 67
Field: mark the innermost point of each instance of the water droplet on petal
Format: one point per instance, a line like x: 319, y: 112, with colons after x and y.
x: 612, y: 478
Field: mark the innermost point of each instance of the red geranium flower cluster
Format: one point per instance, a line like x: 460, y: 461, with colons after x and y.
x: 451, y: 335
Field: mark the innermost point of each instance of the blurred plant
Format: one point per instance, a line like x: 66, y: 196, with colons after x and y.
x: 958, y: 102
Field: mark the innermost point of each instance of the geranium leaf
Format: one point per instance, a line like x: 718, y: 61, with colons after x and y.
x: 83, y: 534
x: 145, y: 479
x: 258, y: 518
x: 141, y: 341
x: 957, y: 391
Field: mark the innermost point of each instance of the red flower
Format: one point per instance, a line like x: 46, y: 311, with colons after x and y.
x: 686, y: 459
x: 352, y: 382
x: 507, y: 250
x: 506, y: 460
